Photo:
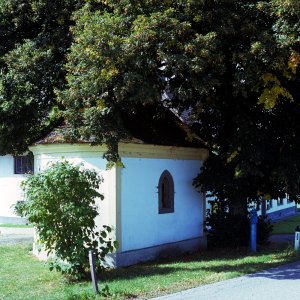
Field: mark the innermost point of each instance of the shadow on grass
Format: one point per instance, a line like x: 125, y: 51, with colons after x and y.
x: 225, y: 261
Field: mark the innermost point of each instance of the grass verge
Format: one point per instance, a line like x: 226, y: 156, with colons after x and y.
x: 24, y: 277
x: 286, y: 226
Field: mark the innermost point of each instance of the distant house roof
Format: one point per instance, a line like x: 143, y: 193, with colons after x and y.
x: 146, y: 125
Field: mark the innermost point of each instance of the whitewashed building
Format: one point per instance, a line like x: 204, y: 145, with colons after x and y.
x: 12, y: 173
x: 150, y: 203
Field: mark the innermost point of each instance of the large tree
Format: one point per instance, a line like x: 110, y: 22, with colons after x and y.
x: 232, y: 64
x: 228, y: 62
x: 257, y: 134
x: 254, y: 129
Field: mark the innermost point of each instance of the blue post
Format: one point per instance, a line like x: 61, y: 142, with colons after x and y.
x: 253, y: 222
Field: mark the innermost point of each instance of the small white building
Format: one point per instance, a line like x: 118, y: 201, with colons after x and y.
x: 151, y: 202
x: 12, y: 173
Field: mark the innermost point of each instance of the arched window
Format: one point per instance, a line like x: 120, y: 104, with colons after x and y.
x: 165, y: 193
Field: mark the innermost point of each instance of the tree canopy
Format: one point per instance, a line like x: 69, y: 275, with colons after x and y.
x: 234, y: 65
x: 34, y: 39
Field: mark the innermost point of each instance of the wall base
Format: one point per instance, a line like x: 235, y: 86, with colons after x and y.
x: 128, y: 258
x: 133, y: 257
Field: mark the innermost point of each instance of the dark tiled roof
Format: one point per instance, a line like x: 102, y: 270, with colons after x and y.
x: 56, y: 136
x: 160, y: 126
x: 146, y: 125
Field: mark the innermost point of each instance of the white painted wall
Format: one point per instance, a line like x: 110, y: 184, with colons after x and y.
x: 134, y: 196
x: 10, y: 190
x: 90, y: 160
x: 142, y: 225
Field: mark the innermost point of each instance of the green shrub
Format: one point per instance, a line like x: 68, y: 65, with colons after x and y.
x: 264, y: 229
x: 227, y: 230
x: 60, y: 202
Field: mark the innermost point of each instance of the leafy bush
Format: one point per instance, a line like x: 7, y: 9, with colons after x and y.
x: 60, y: 202
x: 227, y: 230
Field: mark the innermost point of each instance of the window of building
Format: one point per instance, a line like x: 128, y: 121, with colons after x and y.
x: 166, y: 193
x: 23, y: 164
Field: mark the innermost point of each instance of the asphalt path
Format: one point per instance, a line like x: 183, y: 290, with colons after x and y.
x: 280, y: 283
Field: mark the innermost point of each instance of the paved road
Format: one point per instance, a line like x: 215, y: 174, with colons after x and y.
x: 15, y: 235
x: 280, y: 283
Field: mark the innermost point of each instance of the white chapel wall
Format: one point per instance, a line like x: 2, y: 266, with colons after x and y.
x: 142, y: 225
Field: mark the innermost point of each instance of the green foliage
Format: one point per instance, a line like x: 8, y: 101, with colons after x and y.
x: 60, y: 202
x: 233, y: 230
x: 34, y: 41
x: 234, y: 65
x: 224, y: 61
x: 120, y: 57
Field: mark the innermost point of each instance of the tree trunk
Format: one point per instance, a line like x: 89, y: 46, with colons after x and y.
x: 263, y: 207
x: 238, y: 206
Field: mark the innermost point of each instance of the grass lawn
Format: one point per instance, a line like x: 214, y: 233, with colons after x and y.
x: 16, y: 225
x: 24, y: 277
x: 287, y: 225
